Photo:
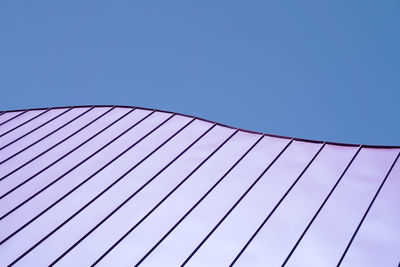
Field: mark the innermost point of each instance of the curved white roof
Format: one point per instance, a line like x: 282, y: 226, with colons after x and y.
x: 122, y: 186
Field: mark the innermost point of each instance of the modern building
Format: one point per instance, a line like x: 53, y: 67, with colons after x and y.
x: 125, y: 186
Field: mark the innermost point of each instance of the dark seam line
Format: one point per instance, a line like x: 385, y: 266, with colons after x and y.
x: 134, y: 194
x: 73, y: 168
x: 55, y: 145
x: 34, y: 143
x: 63, y: 175
x: 60, y: 177
x: 322, y: 205
x: 236, y: 203
x: 54, y: 162
x: 368, y: 209
x: 276, y: 206
x: 125, y: 201
x: 100, y: 194
x: 68, y: 153
x: 159, y: 203
x: 1, y: 113
x: 87, y: 179
x: 31, y: 131
x: 199, y: 201
x: 23, y: 112
x: 231, y: 127
x: 25, y: 122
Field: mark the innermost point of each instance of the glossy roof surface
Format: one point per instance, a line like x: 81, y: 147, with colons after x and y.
x: 122, y: 186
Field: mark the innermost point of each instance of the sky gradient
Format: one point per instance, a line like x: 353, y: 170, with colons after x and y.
x: 326, y: 70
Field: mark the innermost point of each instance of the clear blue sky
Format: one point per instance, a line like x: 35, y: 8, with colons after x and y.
x: 327, y: 70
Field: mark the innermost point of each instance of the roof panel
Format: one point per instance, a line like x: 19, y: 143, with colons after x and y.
x: 7, y: 116
x: 115, y: 185
x: 334, y: 226
x: 379, y: 231
x: 20, y: 121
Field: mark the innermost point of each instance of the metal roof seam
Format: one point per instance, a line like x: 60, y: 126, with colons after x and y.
x: 368, y: 209
x: 38, y: 127
x: 115, y: 182
x: 236, y: 203
x: 322, y: 205
x: 231, y: 127
x: 47, y: 150
x: 66, y: 154
x: 165, y: 197
x: 57, y: 144
x: 25, y: 122
x: 276, y: 206
x: 63, y: 175
x: 121, y: 185
x: 200, y: 200
x: 82, y: 208
x: 16, y: 116
x: 41, y: 139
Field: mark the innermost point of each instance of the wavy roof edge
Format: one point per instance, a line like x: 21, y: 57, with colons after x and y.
x: 218, y: 123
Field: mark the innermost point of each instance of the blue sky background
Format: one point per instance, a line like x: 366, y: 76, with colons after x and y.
x: 327, y: 70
